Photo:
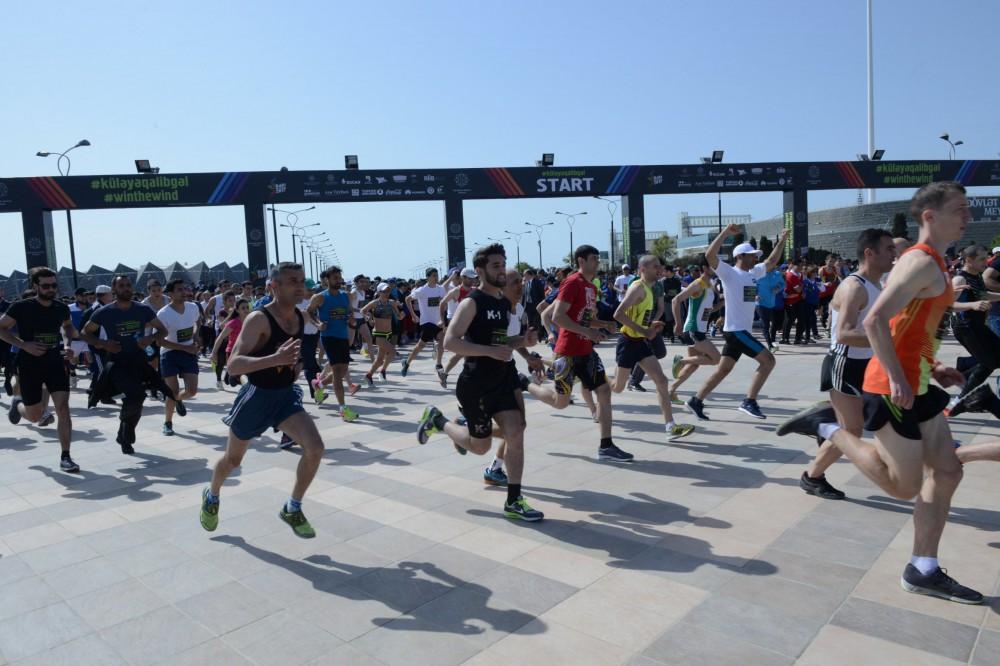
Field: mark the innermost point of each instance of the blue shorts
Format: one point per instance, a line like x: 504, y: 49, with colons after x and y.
x: 256, y: 409
x: 173, y: 363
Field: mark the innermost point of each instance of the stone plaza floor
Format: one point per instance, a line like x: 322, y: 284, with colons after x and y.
x: 702, y: 551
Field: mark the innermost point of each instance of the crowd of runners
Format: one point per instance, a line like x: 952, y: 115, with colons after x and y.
x: 883, y: 314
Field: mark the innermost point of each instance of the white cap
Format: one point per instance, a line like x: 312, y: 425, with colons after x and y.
x: 382, y: 286
x: 469, y: 273
x: 996, y: 250
x: 102, y: 289
x: 626, y: 267
x: 746, y: 248
x: 452, y: 272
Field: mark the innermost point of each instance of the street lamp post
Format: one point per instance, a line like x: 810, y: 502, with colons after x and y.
x: 951, y: 145
x: 516, y: 235
x: 570, y: 219
x: 69, y: 218
x: 612, y: 207
x: 538, y: 232
x: 292, y: 218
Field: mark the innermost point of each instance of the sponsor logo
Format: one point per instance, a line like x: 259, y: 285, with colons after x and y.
x: 461, y: 180
x: 34, y: 243
x: 312, y: 181
x: 564, y: 184
x: 494, y: 314
x: 255, y: 235
x: 345, y: 181
x: 310, y: 193
x: 430, y: 189
x: 330, y: 179
x: 381, y: 180
x: 814, y: 172
x: 683, y: 183
x: 394, y: 193
x: 654, y: 179
x: 756, y: 171
x: 400, y: 179
x: 428, y: 179
x: 337, y: 193
x: 355, y: 192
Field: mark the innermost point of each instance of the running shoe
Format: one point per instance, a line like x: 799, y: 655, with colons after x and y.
x: 938, y: 584
x: 442, y: 376
x: 182, y: 410
x: 820, y: 487
x: 353, y: 388
x: 73, y: 381
x: 674, y: 400
x: 168, y: 429
x: 697, y: 407
x: 635, y: 386
x: 286, y: 443
x: 319, y: 393
x: 13, y: 414
x: 219, y: 386
x: 494, y: 477
x: 370, y: 380
x: 676, y: 366
x: 426, y: 428
x: 67, y: 465
x: 384, y: 378
x: 349, y: 414
x: 614, y: 454
x: 48, y: 418
x: 297, y: 521
x: 807, y: 421
x: 679, y: 430
x: 209, y: 512
x: 405, y: 368
x: 750, y: 407
x: 519, y: 510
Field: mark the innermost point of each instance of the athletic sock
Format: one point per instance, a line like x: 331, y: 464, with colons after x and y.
x: 211, y: 497
x: 497, y: 464
x: 293, y: 505
x: 606, y: 442
x: 65, y: 455
x: 826, y: 430
x: 513, y: 492
x: 925, y: 565
x: 439, y: 421
x: 670, y: 425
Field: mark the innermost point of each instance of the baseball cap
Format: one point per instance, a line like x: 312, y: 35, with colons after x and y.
x: 310, y: 283
x: 102, y: 289
x: 626, y: 267
x: 469, y: 273
x: 746, y: 248
x: 996, y: 250
x: 382, y: 286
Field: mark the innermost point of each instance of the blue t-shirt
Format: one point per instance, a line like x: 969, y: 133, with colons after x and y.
x: 124, y: 326
x: 766, y: 286
x: 335, y: 312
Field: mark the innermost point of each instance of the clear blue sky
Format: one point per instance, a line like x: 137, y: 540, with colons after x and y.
x: 198, y: 86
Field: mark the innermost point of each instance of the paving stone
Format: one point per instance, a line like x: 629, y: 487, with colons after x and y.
x: 116, y: 603
x: 691, y: 644
x: 90, y: 650
x: 156, y: 636
x: 38, y: 630
x: 227, y: 607
x: 413, y: 642
x: 987, y: 651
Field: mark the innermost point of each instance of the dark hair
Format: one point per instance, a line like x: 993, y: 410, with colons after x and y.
x: 583, y: 252
x: 172, y: 285
x: 869, y: 240
x: 276, y: 271
x: 430, y: 269
x: 933, y: 195
x: 328, y: 273
x: 153, y: 282
x: 39, y: 272
x: 482, y: 256
x: 119, y: 276
x: 227, y: 294
x: 529, y: 271
x: 233, y: 312
x: 974, y: 251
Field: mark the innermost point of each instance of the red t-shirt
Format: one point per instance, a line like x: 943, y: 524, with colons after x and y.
x: 235, y: 325
x: 792, y: 280
x: 581, y: 295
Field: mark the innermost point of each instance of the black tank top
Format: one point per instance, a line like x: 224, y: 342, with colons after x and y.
x: 488, y: 327
x: 281, y: 376
x: 975, y: 292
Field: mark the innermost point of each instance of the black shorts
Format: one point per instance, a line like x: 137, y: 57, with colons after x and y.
x: 338, y: 351
x: 34, y: 372
x: 429, y: 332
x: 658, y: 346
x: 842, y: 374
x: 588, y: 369
x: 879, y: 410
x: 480, y: 404
x: 629, y: 351
x: 739, y: 343
x: 690, y: 338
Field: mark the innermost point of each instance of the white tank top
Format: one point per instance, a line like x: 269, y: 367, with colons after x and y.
x: 854, y: 352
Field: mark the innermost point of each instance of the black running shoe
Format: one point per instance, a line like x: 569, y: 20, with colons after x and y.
x: 127, y: 449
x: 820, y: 487
x: 614, y: 454
x: 523, y: 381
x: 635, y: 386
x: 697, y: 407
x: 807, y: 421
x: 181, y: 409
x: 13, y: 414
x: 981, y: 399
x: 938, y: 584
x: 750, y: 407
x: 286, y: 443
x: 67, y: 465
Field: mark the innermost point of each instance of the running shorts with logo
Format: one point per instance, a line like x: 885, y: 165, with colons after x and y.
x: 587, y: 368
x: 429, y: 332
x: 879, y: 410
x: 740, y: 343
x: 629, y: 351
x: 174, y: 362
x: 843, y: 374
x: 256, y: 409
x: 34, y: 372
x: 479, y: 404
x: 338, y: 350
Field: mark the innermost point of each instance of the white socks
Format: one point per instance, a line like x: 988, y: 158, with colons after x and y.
x: 496, y: 465
x: 670, y: 425
x: 925, y: 565
x: 826, y: 430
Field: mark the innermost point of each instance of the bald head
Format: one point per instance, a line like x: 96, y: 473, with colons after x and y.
x: 514, y: 288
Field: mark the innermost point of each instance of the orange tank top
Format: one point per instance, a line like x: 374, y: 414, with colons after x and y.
x: 914, y: 336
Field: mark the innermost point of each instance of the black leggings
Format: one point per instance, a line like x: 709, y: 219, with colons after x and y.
x: 220, y: 363
x: 983, y: 345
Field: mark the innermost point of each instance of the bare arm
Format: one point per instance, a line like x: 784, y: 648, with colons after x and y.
x: 849, y: 300
x: 252, y: 337
x: 712, y: 253
x: 778, y: 251
x: 158, y: 336
x: 455, y: 342
x: 220, y: 340
x: 632, y: 297
x: 443, y: 305
x: 312, y: 309
x: 561, y: 319
x: 991, y: 277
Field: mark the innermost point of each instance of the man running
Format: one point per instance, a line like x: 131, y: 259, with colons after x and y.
x: 844, y: 366
x: 448, y: 306
x: 333, y: 309
x: 575, y: 313
x: 914, y: 452
x: 700, y: 297
x: 739, y: 290
x: 635, y: 313
x: 358, y: 324
x: 80, y: 351
x: 427, y: 297
x: 41, y: 368
x: 487, y: 386
x: 267, y: 352
x: 180, y: 317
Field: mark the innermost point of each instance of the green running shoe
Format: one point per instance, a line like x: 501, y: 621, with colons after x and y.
x: 426, y: 428
x: 209, y: 512
x: 675, y: 367
x: 297, y: 521
x: 348, y: 414
x: 679, y: 430
x: 519, y: 509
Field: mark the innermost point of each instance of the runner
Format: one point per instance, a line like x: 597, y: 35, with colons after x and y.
x: 657, y: 342
x: 333, y: 309
x: 40, y: 366
x: 79, y: 349
x: 635, y: 313
x: 220, y: 319
x: 383, y: 311
x: 739, y: 291
x: 465, y: 283
x: 310, y: 340
x: 232, y: 324
x: 359, y: 325
x: 486, y: 388
x: 844, y: 366
x: 427, y: 297
x: 267, y: 352
x: 180, y: 317
x: 156, y: 302
x: 700, y: 296
x: 914, y: 453
x: 575, y: 313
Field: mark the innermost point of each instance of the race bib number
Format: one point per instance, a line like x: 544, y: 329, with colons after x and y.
x: 128, y: 329
x: 185, y: 335
x: 750, y: 293
x: 498, y: 338
x: 646, y: 318
x: 706, y: 314
x: 338, y: 314
x: 50, y: 339
x: 434, y: 301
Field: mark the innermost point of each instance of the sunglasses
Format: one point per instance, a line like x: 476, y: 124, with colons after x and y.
x: 47, y: 285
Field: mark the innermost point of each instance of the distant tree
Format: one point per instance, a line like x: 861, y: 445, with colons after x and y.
x: 899, y: 226
x: 665, y: 247
x: 995, y: 242
x: 522, y: 266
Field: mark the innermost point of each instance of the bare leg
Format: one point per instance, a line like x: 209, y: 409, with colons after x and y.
x: 168, y: 406
x: 651, y: 366
x: 64, y: 424
x: 851, y: 418
x: 892, y: 462
x: 233, y: 457
x: 416, y: 350
x: 725, y: 367
x: 934, y: 501
x: 765, y: 364
x: 604, y: 409
x: 978, y: 452
x: 512, y: 450
x: 302, y: 430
